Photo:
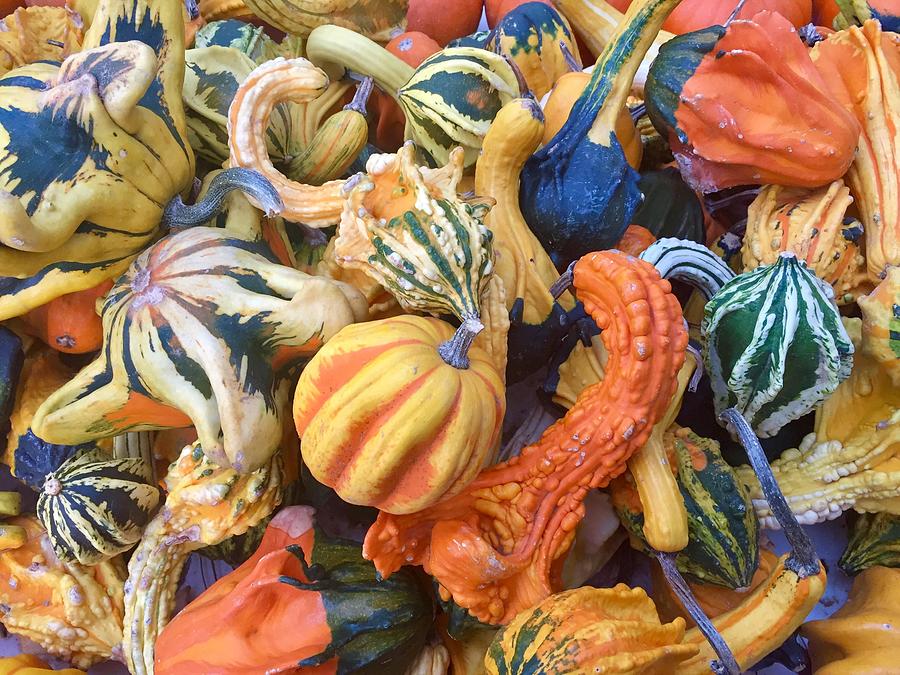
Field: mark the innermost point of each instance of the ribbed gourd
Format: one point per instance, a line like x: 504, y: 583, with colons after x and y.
x: 94, y: 507
x: 202, y: 330
x: 874, y: 541
x: 375, y: 19
x: 670, y: 208
x: 759, y: 323
x: 723, y: 547
x: 725, y: 98
x: 112, y: 155
x: 33, y: 34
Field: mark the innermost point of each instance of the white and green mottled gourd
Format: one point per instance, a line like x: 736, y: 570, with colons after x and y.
x: 690, y: 262
x: 760, y: 324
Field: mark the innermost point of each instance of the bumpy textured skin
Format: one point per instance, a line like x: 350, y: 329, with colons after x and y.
x: 589, y: 630
x: 205, y: 505
x: 101, y: 508
x: 861, y: 66
x: 27, y: 30
x: 571, y: 212
x: 97, y: 147
x: 874, y: 541
x: 498, y: 546
x: 726, y: 100
x: 376, y: 19
x: 774, y: 344
x: 813, y: 225
x: 850, y: 461
x: 862, y: 636
x: 302, y: 600
x: 281, y: 80
x: 407, y: 228
x: 203, y: 330
x: 413, y: 429
x: 71, y: 611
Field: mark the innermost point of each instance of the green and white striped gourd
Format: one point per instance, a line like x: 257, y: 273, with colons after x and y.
x: 774, y: 344
x: 689, y: 262
x: 94, y: 507
x: 874, y: 540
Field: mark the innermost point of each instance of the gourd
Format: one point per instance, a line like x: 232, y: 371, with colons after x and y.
x: 862, y: 71
x: 812, y: 225
x: 879, y: 317
x: 874, y: 541
x: 443, y: 22
x: 704, y: 94
x: 589, y: 630
x: 569, y: 211
x: 73, y: 612
x: 28, y: 664
x: 537, y: 320
x: 11, y: 536
x: 77, y: 212
x: 205, y: 504
x: 636, y: 240
x: 694, y: 15
x: 416, y: 425
x: 522, y: 514
x: 723, y: 547
x: 757, y: 327
x: 160, y: 369
x: 302, y: 600
x: 532, y: 35
x: 218, y: 10
x: 449, y: 100
x: 859, y: 11
x: 861, y: 637
x: 69, y: 323
x: 26, y: 33
x: 94, y: 507
x: 377, y: 20
x: 12, y: 359
x: 670, y: 208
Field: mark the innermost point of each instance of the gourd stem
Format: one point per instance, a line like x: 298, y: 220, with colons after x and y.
x: 726, y: 664
x: 697, y: 375
x: 564, y: 282
x: 803, y: 559
x: 810, y: 34
x: 568, y: 57
x: 734, y: 13
x: 335, y: 49
x: 520, y: 78
x: 361, y: 97
x: 177, y: 214
x: 455, y: 351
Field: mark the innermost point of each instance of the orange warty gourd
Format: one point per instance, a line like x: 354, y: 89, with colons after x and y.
x: 498, y: 547
x: 443, y: 21
x: 69, y: 323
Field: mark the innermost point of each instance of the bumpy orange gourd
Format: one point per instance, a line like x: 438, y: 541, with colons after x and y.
x: 69, y: 323
x: 498, y: 547
x: 412, y: 429
x: 862, y: 636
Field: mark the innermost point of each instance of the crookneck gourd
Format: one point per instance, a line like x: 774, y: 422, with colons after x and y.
x: 498, y: 547
x: 813, y: 225
x: 874, y: 540
x: 203, y: 330
x: 89, y: 169
x: 570, y: 211
x: 449, y: 101
x: 71, y: 611
x: 302, y: 600
x: 205, y: 504
x: 421, y: 410
x: 589, y: 630
x: 745, y: 105
x: 33, y: 34
x: 861, y: 67
x: 775, y: 346
x: 862, y: 636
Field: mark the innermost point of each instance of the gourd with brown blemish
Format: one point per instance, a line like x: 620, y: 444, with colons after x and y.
x: 521, y: 515
x: 69, y: 323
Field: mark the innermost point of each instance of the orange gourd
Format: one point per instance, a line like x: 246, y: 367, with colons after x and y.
x: 636, y: 240
x: 498, y: 547
x: 693, y: 15
x: 443, y: 21
x: 824, y: 12
x: 69, y: 323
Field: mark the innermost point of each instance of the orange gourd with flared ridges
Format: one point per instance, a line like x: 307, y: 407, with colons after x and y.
x: 413, y: 428
x: 498, y: 547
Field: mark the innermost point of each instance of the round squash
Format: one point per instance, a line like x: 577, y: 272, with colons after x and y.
x: 411, y: 428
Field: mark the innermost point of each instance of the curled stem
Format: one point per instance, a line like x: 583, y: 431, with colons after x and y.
x: 568, y: 57
x: 455, y: 351
x: 252, y: 183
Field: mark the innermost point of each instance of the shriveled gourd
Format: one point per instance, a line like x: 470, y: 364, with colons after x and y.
x: 812, y: 224
x: 724, y: 97
x: 33, y: 34
x: 861, y: 67
x: 378, y: 20
x: 861, y: 637
x: 521, y: 515
x: 874, y: 541
x: 71, y: 611
x: 602, y: 630
x: 157, y: 370
x: 113, y: 155
x: 302, y: 600
x: 205, y: 505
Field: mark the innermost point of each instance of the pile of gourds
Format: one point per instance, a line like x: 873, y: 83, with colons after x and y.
x: 436, y: 335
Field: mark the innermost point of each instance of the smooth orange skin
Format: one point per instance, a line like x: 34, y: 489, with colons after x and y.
x: 443, y: 21
x: 249, y: 621
x: 693, y: 15
x: 69, y: 323
x: 636, y: 240
x: 824, y: 12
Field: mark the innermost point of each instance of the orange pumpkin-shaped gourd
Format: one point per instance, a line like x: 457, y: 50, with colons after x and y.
x: 386, y: 422
x: 69, y: 323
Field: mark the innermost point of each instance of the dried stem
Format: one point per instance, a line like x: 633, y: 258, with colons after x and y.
x: 455, y: 351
